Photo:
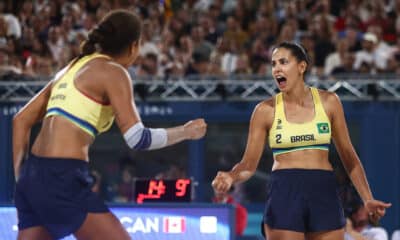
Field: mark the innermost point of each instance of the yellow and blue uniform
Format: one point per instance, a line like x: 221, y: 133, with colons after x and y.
x: 302, y: 200
x: 287, y: 137
x: 67, y: 101
x: 62, y: 206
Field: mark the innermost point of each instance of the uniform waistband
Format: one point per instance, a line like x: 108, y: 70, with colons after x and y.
x: 56, y: 162
x: 301, y: 170
x: 302, y: 173
x: 307, y: 180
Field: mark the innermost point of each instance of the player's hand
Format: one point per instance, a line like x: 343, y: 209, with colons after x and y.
x: 195, y: 129
x: 222, y: 182
x: 376, y: 209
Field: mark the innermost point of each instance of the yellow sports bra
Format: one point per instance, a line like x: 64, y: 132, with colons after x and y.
x: 287, y: 137
x: 67, y: 101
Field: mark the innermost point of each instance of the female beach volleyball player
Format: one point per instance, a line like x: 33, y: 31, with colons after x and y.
x: 302, y: 202
x: 53, y: 196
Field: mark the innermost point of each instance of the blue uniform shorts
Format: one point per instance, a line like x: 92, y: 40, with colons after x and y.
x: 55, y: 193
x: 303, y: 201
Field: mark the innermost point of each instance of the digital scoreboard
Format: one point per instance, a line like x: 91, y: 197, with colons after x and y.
x: 156, y: 190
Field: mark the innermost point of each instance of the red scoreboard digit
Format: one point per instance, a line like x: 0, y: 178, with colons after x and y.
x: 156, y: 190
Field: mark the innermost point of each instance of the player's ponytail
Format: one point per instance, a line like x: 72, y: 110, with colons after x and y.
x: 114, y: 34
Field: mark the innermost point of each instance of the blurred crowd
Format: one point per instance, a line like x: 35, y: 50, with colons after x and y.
x: 206, y: 37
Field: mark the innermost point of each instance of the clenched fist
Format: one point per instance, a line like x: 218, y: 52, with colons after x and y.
x: 222, y: 182
x: 195, y: 129
x: 376, y: 209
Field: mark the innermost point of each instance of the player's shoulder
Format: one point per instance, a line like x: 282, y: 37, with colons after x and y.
x: 266, y: 106
x: 112, y: 68
x: 328, y: 97
x: 110, y: 72
x: 331, y: 102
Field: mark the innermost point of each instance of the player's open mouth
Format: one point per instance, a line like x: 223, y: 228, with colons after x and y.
x: 281, y: 81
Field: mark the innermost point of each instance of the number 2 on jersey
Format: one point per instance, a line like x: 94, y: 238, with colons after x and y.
x: 278, y: 138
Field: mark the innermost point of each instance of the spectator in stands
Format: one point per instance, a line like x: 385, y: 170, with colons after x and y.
x: 258, y: 56
x: 148, y: 66
x: 322, y: 8
x: 382, y: 46
x: 26, y: 13
x: 350, y: 233
x: 396, y: 235
x: 287, y: 33
x: 368, y: 54
x: 67, y: 30
x: 240, y: 211
x: 346, y: 66
x: 354, y: 38
x: 324, y: 35
x: 39, y: 60
x: 336, y: 58
x: 58, y: 46
x: 124, y: 192
x: 382, y: 49
x: 394, y: 58
x: 362, y: 223
x: 263, y: 28
x: 219, y: 55
x: 307, y: 40
x: 10, y: 25
x: 235, y: 32
x: 176, y: 66
x: 377, y: 16
x: 199, y: 64
x: 148, y: 44
x: 97, y: 181
x: 167, y: 47
x: 242, y: 65
x: 208, y: 24
x: 174, y: 171
x: 198, y: 41
x: 8, y: 69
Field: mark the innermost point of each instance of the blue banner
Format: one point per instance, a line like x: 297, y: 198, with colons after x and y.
x: 155, y: 222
